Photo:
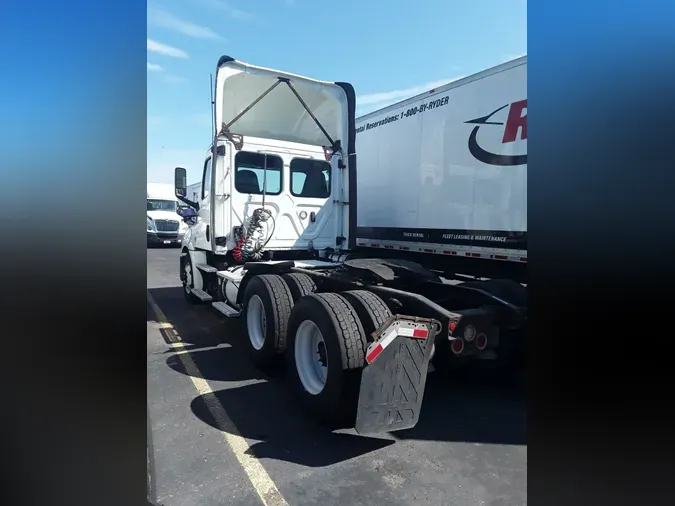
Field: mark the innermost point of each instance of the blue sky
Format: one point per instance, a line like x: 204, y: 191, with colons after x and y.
x: 389, y: 50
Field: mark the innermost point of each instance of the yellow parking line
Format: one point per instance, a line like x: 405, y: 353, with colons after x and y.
x: 261, y: 481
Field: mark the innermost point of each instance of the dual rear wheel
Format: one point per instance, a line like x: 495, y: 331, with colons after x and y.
x: 323, y: 337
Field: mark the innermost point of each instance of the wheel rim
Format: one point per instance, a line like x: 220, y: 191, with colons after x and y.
x: 256, y: 322
x: 311, y: 360
x: 188, y: 277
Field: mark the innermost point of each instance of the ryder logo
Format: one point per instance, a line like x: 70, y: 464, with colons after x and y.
x: 516, y: 123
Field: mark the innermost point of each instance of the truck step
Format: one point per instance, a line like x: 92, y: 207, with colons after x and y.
x: 226, y: 309
x: 202, y: 295
x: 230, y: 276
x: 206, y: 268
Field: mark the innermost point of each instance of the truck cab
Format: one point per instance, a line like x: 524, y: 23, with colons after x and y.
x: 275, y: 179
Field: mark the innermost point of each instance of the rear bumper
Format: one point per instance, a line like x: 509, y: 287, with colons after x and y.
x: 162, y: 238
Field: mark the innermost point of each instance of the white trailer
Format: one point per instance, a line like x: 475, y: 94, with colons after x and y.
x: 445, y: 172
x: 273, y: 240
x: 194, y: 191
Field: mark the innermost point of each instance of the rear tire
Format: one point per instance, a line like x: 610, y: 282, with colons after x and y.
x: 299, y: 284
x: 266, y: 308
x: 370, y: 308
x: 344, y: 347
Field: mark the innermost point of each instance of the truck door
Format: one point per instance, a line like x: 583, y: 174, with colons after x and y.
x: 314, y: 194
x: 202, y: 229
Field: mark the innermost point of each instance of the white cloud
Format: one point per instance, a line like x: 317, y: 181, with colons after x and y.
x: 175, y: 79
x: 163, y: 49
x: 228, y: 8
x: 164, y: 19
x: 373, y: 101
x: 153, y: 67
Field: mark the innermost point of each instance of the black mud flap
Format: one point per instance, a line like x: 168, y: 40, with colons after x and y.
x: 392, y: 384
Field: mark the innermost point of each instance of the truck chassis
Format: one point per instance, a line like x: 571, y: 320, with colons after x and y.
x: 381, y: 320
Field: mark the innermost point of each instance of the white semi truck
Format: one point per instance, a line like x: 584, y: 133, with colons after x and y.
x: 352, y: 274
x: 164, y: 224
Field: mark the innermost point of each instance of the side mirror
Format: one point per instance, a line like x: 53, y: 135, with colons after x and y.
x: 188, y: 214
x: 180, y: 185
x: 180, y: 181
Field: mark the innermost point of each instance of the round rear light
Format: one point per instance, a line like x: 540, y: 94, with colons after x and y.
x: 457, y: 346
x: 469, y: 333
x: 481, y: 341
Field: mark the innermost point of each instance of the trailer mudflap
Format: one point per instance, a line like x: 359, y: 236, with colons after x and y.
x: 393, y: 381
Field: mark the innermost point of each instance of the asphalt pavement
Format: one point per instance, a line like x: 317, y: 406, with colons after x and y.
x: 226, y: 433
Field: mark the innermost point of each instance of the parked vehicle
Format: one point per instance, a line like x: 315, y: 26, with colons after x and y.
x: 358, y: 277
x: 194, y: 191
x: 164, y: 222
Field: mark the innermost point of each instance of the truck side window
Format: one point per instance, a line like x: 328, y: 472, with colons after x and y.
x: 206, y: 180
x: 250, y: 173
x: 310, y: 178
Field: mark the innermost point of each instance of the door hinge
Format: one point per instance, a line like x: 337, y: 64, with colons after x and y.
x: 344, y: 203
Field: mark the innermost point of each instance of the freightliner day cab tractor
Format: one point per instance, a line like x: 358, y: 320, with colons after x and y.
x: 350, y: 273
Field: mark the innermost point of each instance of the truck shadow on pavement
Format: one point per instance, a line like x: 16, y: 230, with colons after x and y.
x: 264, y: 412
x: 454, y: 409
x: 464, y: 409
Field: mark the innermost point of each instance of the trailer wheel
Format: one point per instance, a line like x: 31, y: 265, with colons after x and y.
x: 187, y: 279
x: 266, y: 308
x: 326, y: 354
x: 299, y: 284
x: 370, y: 308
